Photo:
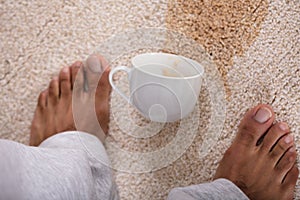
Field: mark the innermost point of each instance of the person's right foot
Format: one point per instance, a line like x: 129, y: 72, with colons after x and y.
x: 261, y: 160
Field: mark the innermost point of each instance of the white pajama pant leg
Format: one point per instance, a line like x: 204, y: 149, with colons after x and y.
x: 69, y: 165
x: 220, y: 189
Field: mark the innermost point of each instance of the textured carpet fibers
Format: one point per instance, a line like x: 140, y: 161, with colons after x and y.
x: 254, y: 45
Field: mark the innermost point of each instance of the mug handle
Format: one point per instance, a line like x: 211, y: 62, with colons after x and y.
x: 111, y: 75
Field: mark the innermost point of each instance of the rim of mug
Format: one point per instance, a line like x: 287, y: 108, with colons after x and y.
x: 200, y: 72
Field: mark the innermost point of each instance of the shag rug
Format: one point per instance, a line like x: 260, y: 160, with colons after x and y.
x: 251, y: 50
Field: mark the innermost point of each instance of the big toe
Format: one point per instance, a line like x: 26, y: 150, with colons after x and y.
x: 96, y: 63
x: 96, y: 71
x: 254, y: 125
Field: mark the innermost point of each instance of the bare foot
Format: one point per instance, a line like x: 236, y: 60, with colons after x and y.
x: 55, y: 109
x: 261, y: 160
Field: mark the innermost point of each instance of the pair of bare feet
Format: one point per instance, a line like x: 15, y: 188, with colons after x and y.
x: 261, y: 160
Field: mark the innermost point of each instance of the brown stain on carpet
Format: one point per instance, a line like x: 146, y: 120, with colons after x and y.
x: 224, y: 28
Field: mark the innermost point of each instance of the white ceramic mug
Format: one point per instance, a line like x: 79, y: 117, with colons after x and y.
x: 163, y: 87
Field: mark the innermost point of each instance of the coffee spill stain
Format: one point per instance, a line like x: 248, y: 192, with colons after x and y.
x: 225, y: 28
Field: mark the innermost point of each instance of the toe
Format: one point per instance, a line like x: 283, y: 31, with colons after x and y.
x: 291, y: 178
x: 286, y: 163
x: 96, y: 66
x: 97, y: 73
x: 75, y: 71
x: 53, y: 91
x: 97, y: 63
x: 37, y: 125
x: 281, y: 147
x: 273, y: 135
x: 42, y: 101
x: 65, y: 82
x: 254, y: 124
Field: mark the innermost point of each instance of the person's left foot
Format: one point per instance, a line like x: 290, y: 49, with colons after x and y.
x: 261, y: 159
x: 54, y: 113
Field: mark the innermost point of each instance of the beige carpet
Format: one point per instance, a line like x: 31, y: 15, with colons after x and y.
x: 253, y: 43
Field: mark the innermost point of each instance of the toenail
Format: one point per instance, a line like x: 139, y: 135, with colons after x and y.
x: 292, y: 149
x: 55, y: 78
x: 263, y: 115
x: 283, y: 126
x: 94, y: 64
x: 288, y: 139
x: 65, y: 70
